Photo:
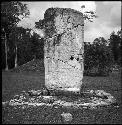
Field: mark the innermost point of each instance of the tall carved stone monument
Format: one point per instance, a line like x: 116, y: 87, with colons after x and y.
x: 63, y: 49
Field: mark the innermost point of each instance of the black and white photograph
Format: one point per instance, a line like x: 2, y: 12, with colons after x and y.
x: 61, y: 62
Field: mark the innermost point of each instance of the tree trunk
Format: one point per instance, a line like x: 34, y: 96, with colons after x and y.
x: 15, y: 50
x: 6, y: 51
x: 16, y: 57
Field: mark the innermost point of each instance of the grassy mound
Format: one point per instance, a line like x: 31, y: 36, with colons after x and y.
x: 34, y: 65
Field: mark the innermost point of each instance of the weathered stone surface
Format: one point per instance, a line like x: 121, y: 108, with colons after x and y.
x: 63, y: 49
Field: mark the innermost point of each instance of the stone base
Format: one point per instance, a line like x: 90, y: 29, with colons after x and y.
x: 64, y: 92
x: 95, y: 99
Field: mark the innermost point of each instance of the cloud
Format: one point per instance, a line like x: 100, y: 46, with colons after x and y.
x: 115, y: 15
x: 73, y: 5
x: 92, y: 33
x: 111, y: 3
x: 37, y: 9
x: 97, y: 29
x: 109, y: 19
x: 111, y: 13
x: 109, y: 16
x: 26, y: 23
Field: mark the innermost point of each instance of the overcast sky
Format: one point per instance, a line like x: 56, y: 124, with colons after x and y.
x: 108, y: 12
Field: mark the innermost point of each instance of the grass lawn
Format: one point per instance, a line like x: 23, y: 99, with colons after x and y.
x: 14, y: 83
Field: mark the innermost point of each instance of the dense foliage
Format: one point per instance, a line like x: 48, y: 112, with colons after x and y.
x: 115, y: 43
x: 29, y: 47
x: 98, y: 58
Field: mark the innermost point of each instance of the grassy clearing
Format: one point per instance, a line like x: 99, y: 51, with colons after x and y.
x: 13, y: 83
x: 111, y: 84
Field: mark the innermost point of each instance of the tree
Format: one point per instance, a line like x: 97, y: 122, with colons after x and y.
x: 87, y: 56
x: 98, y: 55
x: 115, y: 43
x: 37, y: 46
x: 119, y: 33
x: 6, y: 49
x: 100, y: 41
x: 11, y: 13
x: 24, y: 44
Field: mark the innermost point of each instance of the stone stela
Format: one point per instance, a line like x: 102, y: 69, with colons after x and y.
x: 63, y: 49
